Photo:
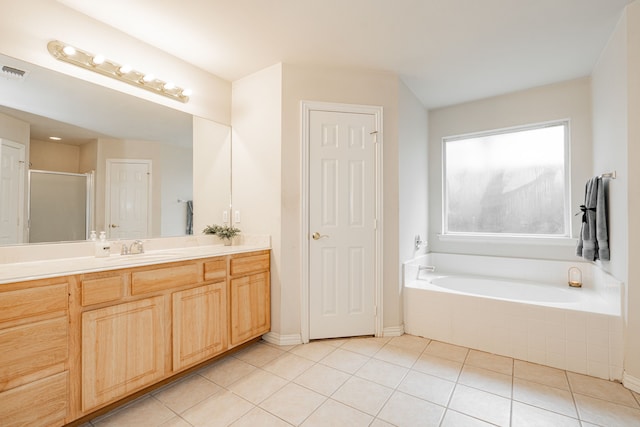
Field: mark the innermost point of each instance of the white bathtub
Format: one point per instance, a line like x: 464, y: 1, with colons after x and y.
x: 476, y: 302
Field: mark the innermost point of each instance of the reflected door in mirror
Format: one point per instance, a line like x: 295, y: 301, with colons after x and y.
x: 128, y: 199
x: 12, y: 163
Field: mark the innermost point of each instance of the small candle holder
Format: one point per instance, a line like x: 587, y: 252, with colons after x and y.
x: 575, y: 277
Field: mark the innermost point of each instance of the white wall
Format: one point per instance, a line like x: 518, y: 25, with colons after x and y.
x: 257, y: 182
x: 27, y: 26
x: 565, y: 100
x: 413, y: 177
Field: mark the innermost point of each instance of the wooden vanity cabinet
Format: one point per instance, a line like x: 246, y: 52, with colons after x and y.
x: 34, y: 352
x: 122, y: 350
x: 249, y: 301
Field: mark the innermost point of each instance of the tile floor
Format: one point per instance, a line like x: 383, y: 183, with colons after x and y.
x: 401, y: 381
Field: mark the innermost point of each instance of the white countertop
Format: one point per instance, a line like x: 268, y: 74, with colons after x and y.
x: 41, y: 269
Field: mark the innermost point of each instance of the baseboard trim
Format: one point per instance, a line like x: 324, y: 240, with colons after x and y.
x: 277, y: 339
x: 393, y: 331
x: 632, y: 383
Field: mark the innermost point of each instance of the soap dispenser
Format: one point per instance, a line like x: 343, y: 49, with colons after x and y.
x: 103, y: 247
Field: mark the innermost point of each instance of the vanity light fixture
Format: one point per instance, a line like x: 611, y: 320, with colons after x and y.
x: 125, y: 73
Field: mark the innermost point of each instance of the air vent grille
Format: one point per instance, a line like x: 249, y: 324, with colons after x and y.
x: 13, y: 73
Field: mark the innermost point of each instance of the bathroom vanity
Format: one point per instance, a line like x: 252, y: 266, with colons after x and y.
x: 73, y: 344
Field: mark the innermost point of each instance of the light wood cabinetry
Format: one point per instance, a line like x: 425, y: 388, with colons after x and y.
x: 122, y: 350
x: 76, y: 345
x: 249, y: 301
x: 199, y: 324
x: 34, y: 351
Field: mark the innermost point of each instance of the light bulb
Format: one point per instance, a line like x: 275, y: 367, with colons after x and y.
x: 187, y: 92
x: 125, y: 69
x: 169, y: 86
x: 149, y: 78
x: 98, y: 59
x: 69, y: 50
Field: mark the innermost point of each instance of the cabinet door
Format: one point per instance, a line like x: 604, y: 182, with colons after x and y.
x: 122, y: 350
x: 250, y: 307
x: 199, y: 324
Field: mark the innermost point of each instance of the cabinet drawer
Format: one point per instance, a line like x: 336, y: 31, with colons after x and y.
x: 215, y: 269
x: 164, y: 278
x: 40, y: 403
x: 24, y: 303
x: 249, y: 264
x: 27, y: 349
x: 102, y: 289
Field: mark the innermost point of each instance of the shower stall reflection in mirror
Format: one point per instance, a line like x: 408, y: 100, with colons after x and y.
x: 59, y: 206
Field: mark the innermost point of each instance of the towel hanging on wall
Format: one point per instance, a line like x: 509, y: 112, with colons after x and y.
x: 593, y: 242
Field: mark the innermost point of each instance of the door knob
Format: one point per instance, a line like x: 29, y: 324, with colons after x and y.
x: 318, y: 236
x: 113, y: 225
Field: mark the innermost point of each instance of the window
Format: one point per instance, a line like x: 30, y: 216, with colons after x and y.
x: 508, y: 182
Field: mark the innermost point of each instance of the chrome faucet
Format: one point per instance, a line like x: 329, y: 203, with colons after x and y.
x: 136, y: 247
x: 424, y: 268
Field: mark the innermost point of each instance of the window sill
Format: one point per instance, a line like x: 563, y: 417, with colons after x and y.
x: 509, y: 240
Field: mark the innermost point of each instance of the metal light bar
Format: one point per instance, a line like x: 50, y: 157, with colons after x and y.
x: 123, y: 73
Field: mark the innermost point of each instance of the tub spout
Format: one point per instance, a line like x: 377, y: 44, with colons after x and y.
x: 424, y: 268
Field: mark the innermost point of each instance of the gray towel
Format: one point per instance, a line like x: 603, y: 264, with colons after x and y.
x: 593, y: 240
x: 189, y: 217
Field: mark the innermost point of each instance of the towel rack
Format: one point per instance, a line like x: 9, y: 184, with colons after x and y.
x: 611, y: 175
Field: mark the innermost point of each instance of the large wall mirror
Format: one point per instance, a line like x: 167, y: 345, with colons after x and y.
x: 122, y: 164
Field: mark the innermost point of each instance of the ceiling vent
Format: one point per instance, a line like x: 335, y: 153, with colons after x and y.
x: 13, y: 73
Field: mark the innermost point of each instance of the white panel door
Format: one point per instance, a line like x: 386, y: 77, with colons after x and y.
x: 11, y: 192
x: 341, y: 223
x: 128, y: 199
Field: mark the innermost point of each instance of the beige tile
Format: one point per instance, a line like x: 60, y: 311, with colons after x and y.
x: 364, y: 395
x: 397, y: 355
x: 545, y: 397
x: 257, y: 386
x: 333, y: 413
x: 486, y: 380
x: 492, y: 362
x: 221, y: 409
x: 288, y: 366
x: 383, y: 373
x: 259, y: 417
x: 227, y: 371
x: 427, y: 387
x: 480, y: 404
x: 175, y: 422
x: 366, y: 346
x: 379, y: 423
x: 293, y: 403
x: 456, y: 419
x: 259, y: 354
x: 447, y: 351
x: 529, y: 416
x: 602, y: 389
x: 405, y: 410
x: 605, y: 413
x: 322, y: 379
x: 540, y: 374
x: 281, y: 347
x: 343, y: 360
x: 315, y: 350
x: 443, y: 368
x: 185, y: 393
x: 335, y: 342
x: 143, y: 412
x: 409, y: 342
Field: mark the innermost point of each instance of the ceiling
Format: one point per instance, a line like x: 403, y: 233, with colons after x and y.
x: 446, y: 51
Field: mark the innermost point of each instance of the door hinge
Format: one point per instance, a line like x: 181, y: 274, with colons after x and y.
x: 375, y: 224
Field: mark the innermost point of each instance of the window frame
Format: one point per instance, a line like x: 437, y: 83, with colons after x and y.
x: 511, y: 237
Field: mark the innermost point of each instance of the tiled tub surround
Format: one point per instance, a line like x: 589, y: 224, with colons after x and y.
x: 37, y: 261
x: 584, y: 335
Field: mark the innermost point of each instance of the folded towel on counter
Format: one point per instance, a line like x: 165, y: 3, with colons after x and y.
x: 593, y: 241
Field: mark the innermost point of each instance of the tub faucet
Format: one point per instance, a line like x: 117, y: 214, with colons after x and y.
x: 424, y: 268
x: 136, y: 247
